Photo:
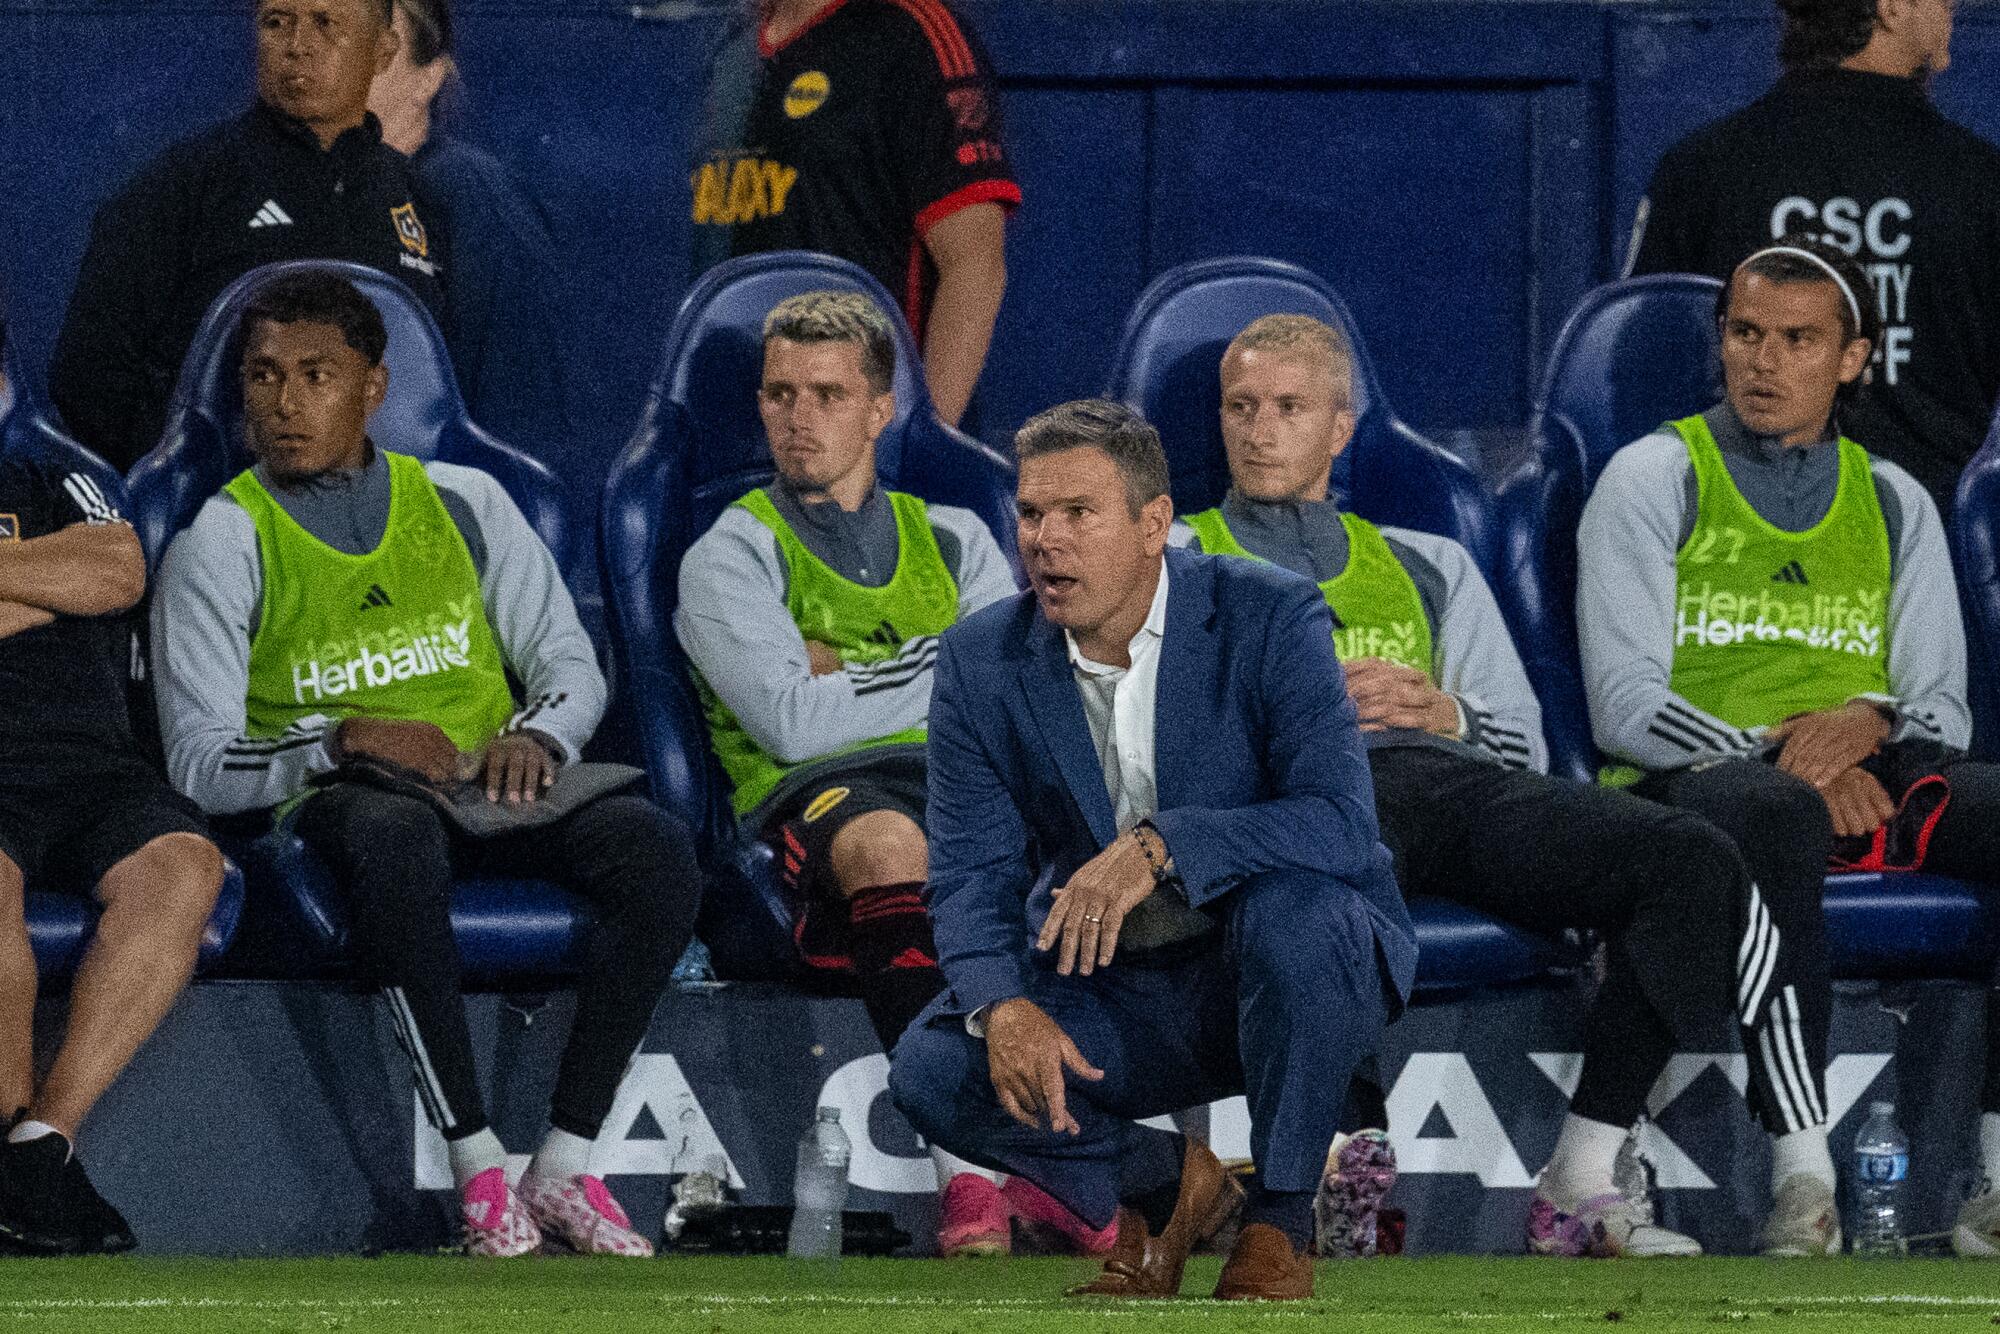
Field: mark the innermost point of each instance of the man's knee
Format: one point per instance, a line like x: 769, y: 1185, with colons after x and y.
x: 1292, y: 926
x: 1767, y: 811
x: 879, y: 848
x: 1690, y: 865
x: 929, y: 1074
x: 653, y: 864
x: 1790, y: 811
x: 361, y: 820
x: 13, y: 892
x: 171, y: 883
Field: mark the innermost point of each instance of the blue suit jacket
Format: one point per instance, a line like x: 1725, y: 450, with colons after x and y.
x: 1258, y: 762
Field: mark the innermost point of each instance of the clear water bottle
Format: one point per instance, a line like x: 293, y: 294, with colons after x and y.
x: 1881, y: 1162
x: 819, y: 1189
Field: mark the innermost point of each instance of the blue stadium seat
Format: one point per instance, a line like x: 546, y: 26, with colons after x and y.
x: 1632, y: 355
x: 698, y: 446
x: 505, y: 929
x: 1975, y: 546
x: 60, y: 924
x: 1166, y: 368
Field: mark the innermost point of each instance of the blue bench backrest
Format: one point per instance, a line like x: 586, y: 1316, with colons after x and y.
x: 1975, y: 548
x: 1634, y: 354
x: 423, y: 414
x: 699, y: 445
x: 1168, y: 364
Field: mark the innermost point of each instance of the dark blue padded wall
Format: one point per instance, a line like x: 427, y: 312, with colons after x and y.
x: 1461, y: 174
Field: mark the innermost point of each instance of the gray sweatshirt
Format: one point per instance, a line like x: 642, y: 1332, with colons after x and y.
x: 734, y: 626
x: 1641, y: 513
x: 210, y: 595
x: 1477, y: 664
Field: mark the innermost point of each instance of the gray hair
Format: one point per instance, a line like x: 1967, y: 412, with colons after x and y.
x: 1097, y: 423
x: 1291, y: 334
x: 839, y: 317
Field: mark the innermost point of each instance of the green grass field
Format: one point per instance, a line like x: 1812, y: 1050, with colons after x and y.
x: 726, y: 1296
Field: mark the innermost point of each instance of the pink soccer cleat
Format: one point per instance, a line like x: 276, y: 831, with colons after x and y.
x: 1037, y: 1209
x: 581, y: 1213
x: 497, y: 1224
x: 1603, y: 1228
x: 1360, y: 1170
x: 973, y: 1219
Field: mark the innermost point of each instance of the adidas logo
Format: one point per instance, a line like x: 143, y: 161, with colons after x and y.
x: 1792, y: 573
x: 376, y: 598
x: 271, y: 216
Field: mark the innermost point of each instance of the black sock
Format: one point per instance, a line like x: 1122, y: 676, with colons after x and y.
x: 1149, y: 1175
x: 889, y: 939
x: 1289, y: 1211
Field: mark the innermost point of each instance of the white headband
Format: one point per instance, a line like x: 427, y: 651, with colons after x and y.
x: 1853, y: 306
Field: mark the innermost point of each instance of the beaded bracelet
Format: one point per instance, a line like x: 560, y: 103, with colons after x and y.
x: 1161, y: 874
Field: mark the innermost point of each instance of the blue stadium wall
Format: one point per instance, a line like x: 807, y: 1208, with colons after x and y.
x: 1462, y: 172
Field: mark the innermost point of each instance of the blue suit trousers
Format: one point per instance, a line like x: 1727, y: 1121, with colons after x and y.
x: 1280, y: 1006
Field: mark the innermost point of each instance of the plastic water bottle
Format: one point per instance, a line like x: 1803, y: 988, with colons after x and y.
x: 819, y: 1189
x: 1881, y: 1162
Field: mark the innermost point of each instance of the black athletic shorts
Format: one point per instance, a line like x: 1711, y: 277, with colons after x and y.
x: 803, y: 831
x: 66, y: 832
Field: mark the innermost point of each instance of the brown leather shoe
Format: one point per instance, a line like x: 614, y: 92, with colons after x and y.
x: 1265, y: 1268
x: 1143, y: 1265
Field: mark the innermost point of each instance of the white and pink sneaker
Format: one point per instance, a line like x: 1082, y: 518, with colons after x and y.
x: 581, y: 1213
x: 497, y: 1223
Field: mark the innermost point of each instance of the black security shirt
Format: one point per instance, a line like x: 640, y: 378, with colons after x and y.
x: 1866, y: 161
x: 865, y: 129
x: 65, y: 682
x: 253, y: 191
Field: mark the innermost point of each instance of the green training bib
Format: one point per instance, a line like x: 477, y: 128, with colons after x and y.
x: 1377, y: 611
x: 399, y: 632
x: 1769, y: 623
x: 862, y: 624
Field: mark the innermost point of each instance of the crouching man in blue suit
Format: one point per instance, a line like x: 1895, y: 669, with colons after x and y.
x: 1155, y: 873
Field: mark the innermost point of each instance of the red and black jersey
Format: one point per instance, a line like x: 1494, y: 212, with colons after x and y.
x: 866, y: 128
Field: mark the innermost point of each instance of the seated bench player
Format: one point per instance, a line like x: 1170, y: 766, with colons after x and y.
x: 334, y: 639
x: 811, y: 612
x: 80, y: 812
x: 1454, y: 738
x: 1771, y: 639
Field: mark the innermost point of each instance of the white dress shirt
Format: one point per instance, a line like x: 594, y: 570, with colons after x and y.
x: 1119, y: 703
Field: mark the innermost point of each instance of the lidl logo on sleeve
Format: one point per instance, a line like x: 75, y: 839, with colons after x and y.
x: 825, y: 802
x: 807, y: 94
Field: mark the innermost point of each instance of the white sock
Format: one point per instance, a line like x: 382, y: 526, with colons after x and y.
x: 1580, y: 1168
x: 561, y: 1156
x: 474, y: 1154
x: 1989, y: 1148
x: 948, y: 1167
x: 28, y: 1130
x: 1802, y: 1152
